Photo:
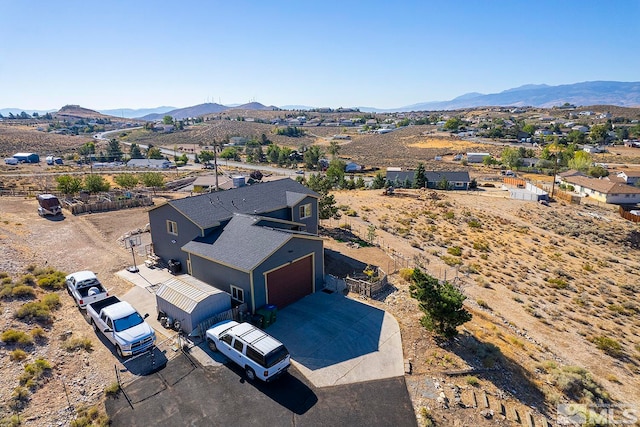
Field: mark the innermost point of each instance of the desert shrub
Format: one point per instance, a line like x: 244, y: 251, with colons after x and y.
x: 578, y: 384
x: 609, y: 346
x: 350, y: 212
x: 557, y: 282
x: 52, y: 280
x: 405, y: 273
x: 482, y: 303
x: 474, y: 223
x: 451, y: 261
x: 38, y: 311
x: 345, y: 226
x: 51, y: 300
x: 455, y: 250
x: 449, y: 215
x: 17, y: 337
x: 112, y: 389
x: 27, y: 280
x: 587, y: 267
x: 472, y: 381
x: 33, y: 372
x: 37, y: 332
x: 90, y: 416
x: 76, y: 344
x: 21, y: 291
x: 481, y: 245
x: 19, y: 396
x: 17, y: 355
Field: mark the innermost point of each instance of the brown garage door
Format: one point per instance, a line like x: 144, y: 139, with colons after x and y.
x: 288, y: 284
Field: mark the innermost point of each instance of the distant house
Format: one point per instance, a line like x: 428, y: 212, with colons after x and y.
x: 602, y: 190
x: 238, y: 140
x: 27, y: 157
x: 529, y: 162
x: 455, y: 180
x: 629, y: 177
x: 593, y: 149
x: 149, y: 163
x: 580, y: 128
x: 477, y: 157
x: 259, y: 243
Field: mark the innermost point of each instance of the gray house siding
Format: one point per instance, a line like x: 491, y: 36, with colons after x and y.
x: 221, y: 276
x: 310, y: 222
x: 163, y: 245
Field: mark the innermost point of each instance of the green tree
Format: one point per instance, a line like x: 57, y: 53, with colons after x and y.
x: 167, y: 120
x: 575, y: 136
x: 378, y: 181
x: 453, y: 124
x: 443, y: 184
x: 598, y: 133
x: 96, y: 183
x: 135, y: 152
x: 154, y: 180
x: 312, y: 156
x: 126, y: 180
x: 511, y: 157
x: 273, y: 153
x: 334, y: 148
x: 581, y: 161
x: 529, y: 128
x: 206, y: 156
x: 154, y: 153
x: 229, y: 153
x: 419, y: 178
x: 327, y: 203
x: 87, y: 150
x: 335, y: 172
x: 114, y: 151
x: 68, y: 184
x: 360, y: 182
x: 441, y: 303
x: 597, y: 172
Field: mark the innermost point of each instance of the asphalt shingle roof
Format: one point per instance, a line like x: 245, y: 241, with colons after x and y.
x: 242, y: 243
x: 209, y: 209
x: 432, y: 176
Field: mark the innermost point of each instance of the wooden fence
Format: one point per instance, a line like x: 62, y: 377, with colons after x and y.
x: 628, y: 215
x: 566, y: 197
x: 366, y: 288
x: 516, y: 182
x: 104, y: 206
x: 231, y: 314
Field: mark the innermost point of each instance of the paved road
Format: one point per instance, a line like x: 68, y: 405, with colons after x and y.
x: 185, y: 393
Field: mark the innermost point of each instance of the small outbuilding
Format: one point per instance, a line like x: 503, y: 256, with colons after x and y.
x: 27, y: 157
x: 190, y: 301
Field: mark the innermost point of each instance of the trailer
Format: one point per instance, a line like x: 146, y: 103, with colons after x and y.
x: 49, y: 205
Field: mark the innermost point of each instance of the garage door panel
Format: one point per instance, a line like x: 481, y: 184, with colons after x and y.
x: 288, y: 284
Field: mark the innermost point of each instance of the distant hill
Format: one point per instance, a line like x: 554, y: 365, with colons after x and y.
x: 78, y: 112
x: 622, y: 94
x: 131, y: 113
x: 204, y: 109
x: 16, y: 111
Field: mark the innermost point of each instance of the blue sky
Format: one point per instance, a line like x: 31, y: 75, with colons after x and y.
x: 142, y: 54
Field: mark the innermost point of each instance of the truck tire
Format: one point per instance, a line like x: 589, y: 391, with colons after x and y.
x: 94, y: 326
x: 119, y: 352
x: 212, y: 344
x: 251, y: 375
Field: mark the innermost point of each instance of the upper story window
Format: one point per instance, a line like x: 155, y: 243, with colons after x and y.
x: 172, y: 227
x: 305, y: 211
x: 237, y: 293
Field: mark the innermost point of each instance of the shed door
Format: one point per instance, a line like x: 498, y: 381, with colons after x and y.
x: 288, y: 284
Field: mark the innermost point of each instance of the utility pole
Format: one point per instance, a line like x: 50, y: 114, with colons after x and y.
x: 215, y: 161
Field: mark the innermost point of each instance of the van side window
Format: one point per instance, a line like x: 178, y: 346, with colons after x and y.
x: 227, y: 338
x: 255, y: 356
x: 238, y: 345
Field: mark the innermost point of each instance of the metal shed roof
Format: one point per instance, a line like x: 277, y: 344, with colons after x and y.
x: 186, y: 292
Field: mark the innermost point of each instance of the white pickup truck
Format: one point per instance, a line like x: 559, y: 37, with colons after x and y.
x: 122, y: 325
x: 85, y: 288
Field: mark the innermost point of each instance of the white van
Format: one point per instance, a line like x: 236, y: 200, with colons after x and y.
x: 11, y: 161
x: 261, y: 355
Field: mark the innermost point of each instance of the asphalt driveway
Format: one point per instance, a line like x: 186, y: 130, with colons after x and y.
x: 185, y: 393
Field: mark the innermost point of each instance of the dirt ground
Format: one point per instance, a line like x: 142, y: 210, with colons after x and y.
x: 510, y: 261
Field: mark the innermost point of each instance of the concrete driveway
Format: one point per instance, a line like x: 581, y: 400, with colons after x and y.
x: 333, y: 340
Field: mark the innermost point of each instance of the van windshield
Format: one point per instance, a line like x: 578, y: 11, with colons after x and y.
x: 276, y: 356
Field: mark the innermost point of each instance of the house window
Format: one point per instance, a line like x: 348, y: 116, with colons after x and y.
x: 172, y: 227
x: 237, y: 293
x: 305, y: 211
x: 459, y: 184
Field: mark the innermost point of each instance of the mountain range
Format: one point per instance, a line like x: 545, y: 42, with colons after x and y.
x: 623, y: 94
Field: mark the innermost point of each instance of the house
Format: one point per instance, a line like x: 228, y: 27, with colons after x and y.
x: 27, y: 157
x: 593, y: 149
x: 477, y: 157
x: 258, y: 242
x: 602, y: 190
x: 529, y: 162
x: 455, y: 180
x: 149, y: 163
x: 629, y: 177
x: 238, y: 140
x: 580, y: 128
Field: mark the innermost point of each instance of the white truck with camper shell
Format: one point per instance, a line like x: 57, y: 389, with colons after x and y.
x: 258, y: 353
x: 122, y: 325
x: 85, y: 288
